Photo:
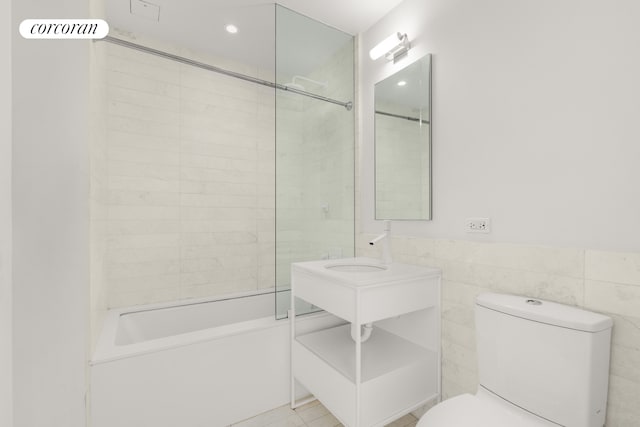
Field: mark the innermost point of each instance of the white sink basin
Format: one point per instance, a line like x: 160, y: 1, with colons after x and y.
x: 360, y: 271
x: 364, y: 290
x: 356, y: 268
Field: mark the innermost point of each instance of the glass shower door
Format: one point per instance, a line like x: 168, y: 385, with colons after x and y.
x: 315, y: 146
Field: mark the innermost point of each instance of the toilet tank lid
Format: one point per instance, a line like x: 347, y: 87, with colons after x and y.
x: 545, y: 311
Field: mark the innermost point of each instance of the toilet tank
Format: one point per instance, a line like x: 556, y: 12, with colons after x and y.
x: 548, y: 358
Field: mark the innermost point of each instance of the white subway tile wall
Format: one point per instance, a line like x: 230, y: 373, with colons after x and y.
x: 185, y: 176
x: 605, y: 282
x: 315, y: 168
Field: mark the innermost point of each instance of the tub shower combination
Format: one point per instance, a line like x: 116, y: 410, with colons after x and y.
x: 224, y: 358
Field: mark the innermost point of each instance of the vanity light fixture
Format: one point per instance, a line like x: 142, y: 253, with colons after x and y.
x: 231, y: 29
x: 393, y: 47
x: 402, y: 83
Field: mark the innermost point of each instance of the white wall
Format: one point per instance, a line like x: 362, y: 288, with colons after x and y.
x: 50, y: 211
x: 533, y: 108
x: 6, y: 348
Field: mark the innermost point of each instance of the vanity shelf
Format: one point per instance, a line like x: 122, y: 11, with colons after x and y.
x: 382, y: 354
x: 392, y: 373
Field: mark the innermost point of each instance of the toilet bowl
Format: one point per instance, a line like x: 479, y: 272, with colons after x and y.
x: 484, y: 409
x: 540, y: 364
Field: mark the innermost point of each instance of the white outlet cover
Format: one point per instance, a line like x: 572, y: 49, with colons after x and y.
x: 477, y: 225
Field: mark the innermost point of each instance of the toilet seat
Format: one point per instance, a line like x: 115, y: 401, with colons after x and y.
x: 484, y: 409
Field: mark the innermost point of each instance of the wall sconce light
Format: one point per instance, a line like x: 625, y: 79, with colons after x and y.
x: 393, y: 47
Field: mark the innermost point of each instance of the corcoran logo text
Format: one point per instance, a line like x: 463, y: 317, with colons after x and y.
x: 64, y: 28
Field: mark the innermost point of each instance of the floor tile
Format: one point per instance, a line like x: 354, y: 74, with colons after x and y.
x: 312, y: 414
x: 327, y: 420
x: 291, y: 421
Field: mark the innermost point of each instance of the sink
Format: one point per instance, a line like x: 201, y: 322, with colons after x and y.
x: 358, y: 272
x: 362, y: 289
x: 356, y: 268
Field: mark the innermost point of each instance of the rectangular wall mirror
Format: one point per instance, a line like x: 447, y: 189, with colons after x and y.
x: 403, y: 143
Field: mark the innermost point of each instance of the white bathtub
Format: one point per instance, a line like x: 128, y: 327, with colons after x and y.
x: 202, y: 363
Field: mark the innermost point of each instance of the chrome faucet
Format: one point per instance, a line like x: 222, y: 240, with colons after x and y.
x: 386, y: 242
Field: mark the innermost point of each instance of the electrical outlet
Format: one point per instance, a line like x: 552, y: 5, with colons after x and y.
x: 477, y: 225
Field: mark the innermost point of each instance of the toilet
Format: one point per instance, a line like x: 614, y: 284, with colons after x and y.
x: 540, y: 364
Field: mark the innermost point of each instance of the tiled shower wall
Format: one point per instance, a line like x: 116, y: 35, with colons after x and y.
x: 189, y: 188
x: 184, y: 176
x: 605, y: 282
x: 315, y: 161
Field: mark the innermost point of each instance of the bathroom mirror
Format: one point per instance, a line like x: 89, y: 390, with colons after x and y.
x: 403, y: 143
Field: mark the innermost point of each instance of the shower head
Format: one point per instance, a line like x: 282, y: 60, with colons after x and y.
x: 295, y: 83
x: 294, y: 87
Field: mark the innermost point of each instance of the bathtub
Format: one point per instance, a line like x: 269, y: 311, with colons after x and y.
x: 203, y: 363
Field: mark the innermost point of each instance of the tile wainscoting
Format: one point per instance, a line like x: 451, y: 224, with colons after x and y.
x: 605, y: 282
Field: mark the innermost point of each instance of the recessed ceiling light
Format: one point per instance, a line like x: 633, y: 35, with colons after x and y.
x: 402, y: 83
x: 231, y: 29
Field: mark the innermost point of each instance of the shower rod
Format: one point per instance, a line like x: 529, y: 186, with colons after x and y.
x: 348, y: 105
x: 398, y: 116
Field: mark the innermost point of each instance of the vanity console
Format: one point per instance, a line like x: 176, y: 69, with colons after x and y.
x: 374, y: 379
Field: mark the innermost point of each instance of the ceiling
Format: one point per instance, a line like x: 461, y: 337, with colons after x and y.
x: 350, y: 16
x: 199, y: 25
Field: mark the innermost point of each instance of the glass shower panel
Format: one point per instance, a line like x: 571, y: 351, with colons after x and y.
x: 315, y: 146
